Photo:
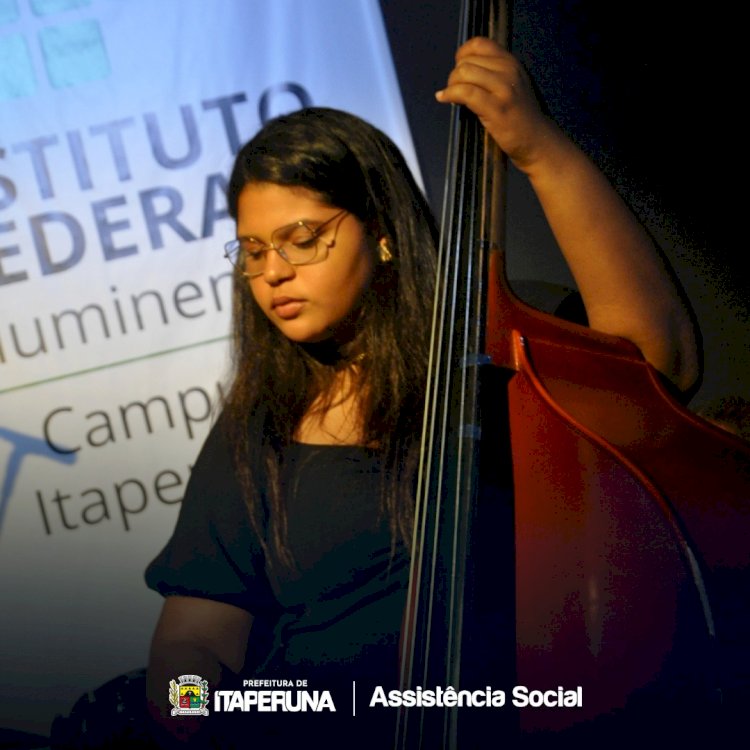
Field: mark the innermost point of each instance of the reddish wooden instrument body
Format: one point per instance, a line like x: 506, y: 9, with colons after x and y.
x: 632, y: 519
x: 630, y: 516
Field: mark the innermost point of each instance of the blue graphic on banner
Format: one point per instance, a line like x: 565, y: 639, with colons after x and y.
x: 74, y: 53
x: 49, y: 7
x: 8, y: 11
x: 23, y: 446
x: 16, y: 71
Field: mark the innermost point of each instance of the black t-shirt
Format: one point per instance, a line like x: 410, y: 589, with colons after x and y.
x: 334, y: 619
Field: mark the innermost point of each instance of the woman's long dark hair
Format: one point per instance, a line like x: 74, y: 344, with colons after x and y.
x: 354, y: 166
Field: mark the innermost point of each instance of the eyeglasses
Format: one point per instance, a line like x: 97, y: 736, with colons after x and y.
x: 298, y: 244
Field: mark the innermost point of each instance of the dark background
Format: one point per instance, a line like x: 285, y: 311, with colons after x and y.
x: 652, y: 92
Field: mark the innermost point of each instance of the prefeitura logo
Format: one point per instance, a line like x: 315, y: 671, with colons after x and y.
x: 189, y: 695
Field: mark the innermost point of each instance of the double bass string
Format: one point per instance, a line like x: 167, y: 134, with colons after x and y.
x: 430, y: 455
x: 447, y: 483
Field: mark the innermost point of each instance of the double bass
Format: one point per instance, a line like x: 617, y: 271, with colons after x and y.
x: 577, y: 530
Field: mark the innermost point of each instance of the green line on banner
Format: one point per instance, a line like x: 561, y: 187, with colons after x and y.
x: 113, y: 364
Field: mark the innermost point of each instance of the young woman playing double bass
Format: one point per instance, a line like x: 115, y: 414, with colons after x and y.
x: 290, y: 556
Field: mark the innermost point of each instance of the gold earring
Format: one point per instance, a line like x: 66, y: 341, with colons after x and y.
x: 383, y: 251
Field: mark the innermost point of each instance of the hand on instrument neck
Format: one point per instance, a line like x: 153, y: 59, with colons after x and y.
x: 626, y: 284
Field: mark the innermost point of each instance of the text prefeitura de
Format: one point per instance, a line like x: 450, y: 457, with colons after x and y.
x: 449, y: 697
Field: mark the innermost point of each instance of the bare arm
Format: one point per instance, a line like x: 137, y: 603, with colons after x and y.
x: 193, y: 636
x: 625, y: 283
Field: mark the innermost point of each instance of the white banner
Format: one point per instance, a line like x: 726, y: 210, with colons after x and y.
x: 119, y: 122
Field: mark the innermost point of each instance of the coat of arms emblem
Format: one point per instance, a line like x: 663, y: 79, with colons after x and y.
x: 189, y: 695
